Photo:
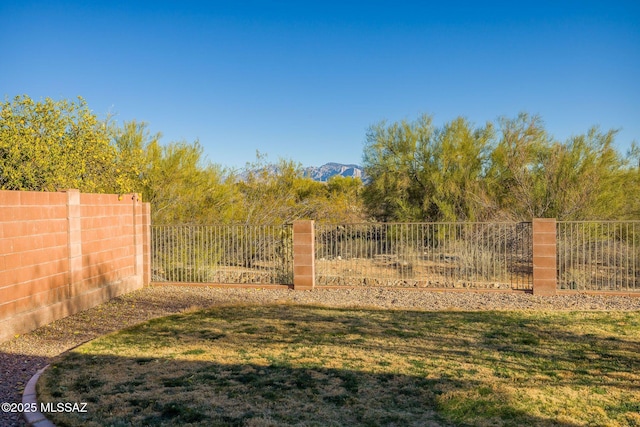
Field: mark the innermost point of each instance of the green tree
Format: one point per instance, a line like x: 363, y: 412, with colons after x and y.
x: 533, y: 176
x: 343, y: 203
x: 517, y: 177
x: 183, y: 188
x: 394, y: 158
x: 422, y: 173
x: 460, y: 173
x: 132, y: 142
x: 631, y: 209
x: 50, y: 145
x: 588, y: 178
x: 459, y: 160
x: 275, y: 193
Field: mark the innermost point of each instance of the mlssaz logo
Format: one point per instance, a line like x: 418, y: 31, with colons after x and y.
x: 66, y: 407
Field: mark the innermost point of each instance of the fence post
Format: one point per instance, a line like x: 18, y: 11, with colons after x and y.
x: 140, y: 240
x: 304, y: 272
x: 146, y: 243
x: 544, y: 256
x: 74, y: 240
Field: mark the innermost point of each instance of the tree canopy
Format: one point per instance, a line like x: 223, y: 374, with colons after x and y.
x: 512, y: 171
x: 509, y: 170
x: 49, y: 145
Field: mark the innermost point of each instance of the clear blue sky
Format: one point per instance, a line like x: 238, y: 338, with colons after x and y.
x: 303, y: 80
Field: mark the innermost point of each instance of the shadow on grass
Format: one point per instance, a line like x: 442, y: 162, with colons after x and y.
x: 305, y: 365
x: 210, y: 394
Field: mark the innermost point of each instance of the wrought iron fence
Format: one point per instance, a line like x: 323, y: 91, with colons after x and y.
x: 598, y: 256
x: 222, y: 254
x: 437, y: 255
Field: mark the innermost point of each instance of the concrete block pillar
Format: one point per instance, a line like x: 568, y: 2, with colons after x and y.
x: 304, y: 272
x: 146, y: 243
x: 74, y: 240
x: 138, y: 238
x: 544, y: 256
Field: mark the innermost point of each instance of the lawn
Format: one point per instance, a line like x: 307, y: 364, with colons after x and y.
x: 248, y: 365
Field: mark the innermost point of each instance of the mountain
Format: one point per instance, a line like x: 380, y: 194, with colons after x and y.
x: 326, y: 171
x: 319, y: 173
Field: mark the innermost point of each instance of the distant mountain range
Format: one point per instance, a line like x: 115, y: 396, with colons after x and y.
x: 326, y: 171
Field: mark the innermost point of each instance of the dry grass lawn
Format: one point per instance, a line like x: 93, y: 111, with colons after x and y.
x: 320, y: 366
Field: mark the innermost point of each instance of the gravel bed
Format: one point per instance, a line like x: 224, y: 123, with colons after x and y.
x: 22, y: 356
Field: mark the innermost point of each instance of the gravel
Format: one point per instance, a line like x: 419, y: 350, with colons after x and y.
x: 22, y: 356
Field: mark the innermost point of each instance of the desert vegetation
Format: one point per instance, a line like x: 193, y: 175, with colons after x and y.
x: 512, y: 170
x: 508, y: 170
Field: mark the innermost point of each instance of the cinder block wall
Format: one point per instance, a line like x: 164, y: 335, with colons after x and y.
x: 64, y: 252
x: 544, y: 256
x: 304, y: 272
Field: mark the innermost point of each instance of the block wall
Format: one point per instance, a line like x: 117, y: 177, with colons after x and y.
x: 64, y: 252
x: 544, y: 256
x: 304, y: 274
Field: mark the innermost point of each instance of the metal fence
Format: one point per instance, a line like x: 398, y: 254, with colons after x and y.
x: 592, y: 256
x: 598, y: 256
x: 222, y: 254
x: 437, y: 255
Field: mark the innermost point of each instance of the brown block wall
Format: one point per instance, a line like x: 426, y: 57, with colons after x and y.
x: 304, y: 274
x: 544, y: 256
x: 64, y: 252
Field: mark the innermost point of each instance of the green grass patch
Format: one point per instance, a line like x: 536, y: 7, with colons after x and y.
x: 305, y: 365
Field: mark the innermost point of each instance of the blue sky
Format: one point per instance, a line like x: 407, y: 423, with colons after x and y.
x: 304, y: 80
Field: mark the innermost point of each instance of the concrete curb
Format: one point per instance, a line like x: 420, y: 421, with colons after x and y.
x: 29, y: 398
